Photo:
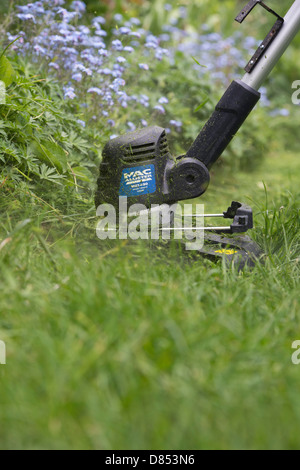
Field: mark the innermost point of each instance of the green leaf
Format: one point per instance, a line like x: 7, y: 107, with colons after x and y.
x: 198, y: 63
x: 50, y: 153
x: 19, y: 226
x: 82, y: 173
x: 8, y: 46
x: 7, y: 73
x: 201, y: 105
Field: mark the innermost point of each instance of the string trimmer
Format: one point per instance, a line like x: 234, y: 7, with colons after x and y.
x: 139, y: 165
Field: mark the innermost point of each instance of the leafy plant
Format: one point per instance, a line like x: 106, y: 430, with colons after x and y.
x: 93, y: 78
x: 40, y: 137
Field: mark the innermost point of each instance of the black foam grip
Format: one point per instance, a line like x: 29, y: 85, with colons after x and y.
x: 230, y: 113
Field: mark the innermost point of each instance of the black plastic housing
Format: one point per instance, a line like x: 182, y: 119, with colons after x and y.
x: 139, y: 164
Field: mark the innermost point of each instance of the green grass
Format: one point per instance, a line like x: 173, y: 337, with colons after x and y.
x: 138, y: 345
x: 133, y: 346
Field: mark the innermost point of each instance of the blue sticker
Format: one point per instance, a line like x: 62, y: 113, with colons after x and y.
x: 138, y: 180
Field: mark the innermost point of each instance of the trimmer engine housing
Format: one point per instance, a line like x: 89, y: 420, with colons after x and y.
x: 139, y: 165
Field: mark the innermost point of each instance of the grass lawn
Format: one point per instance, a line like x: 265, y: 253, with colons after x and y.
x: 130, y: 346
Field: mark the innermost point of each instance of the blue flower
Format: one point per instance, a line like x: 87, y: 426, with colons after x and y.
x: 78, y: 51
x: 117, y: 83
x: 66, y: 15
x: 99, y: 20
x: 95, y: 90
x: 77, y: 77
x: 280, y: 112
x: 118, y: 67
x: 264, y: 101
x: 151, y: 45
x: 119, y: 72
x: 81, y: 123
x: 152, y: 42
x: 135, y: 21
x: 97, y: 44
x: 101, y: 32
x: 78, y: 6
x: 39, y: 50
x: 131, y: 126
x: 54, y: 65
x: 160, y: 109
x: 183, y: 12
x: 177, y: 124
x: 33, y: 8
x: 118, y: 17
x: 88, y: 72
x: 11, y: 37
x: 160, y: 53
x: 69, y: 93
x: 107, y: 96
x: 152, y: 38
x: 145, y: 97
x: 84, y: 29
x: 121, y: 60
x: 128, y: 49
x: 57, y: 39
x: 92, y: 59
x: 69, y: 51
x: 163, y: 100
x: 117, y: 45
x: 105, y: 71
x: 26, y: 17
x: 135, y: 34
x: 103, y: 52
x: 78, y: 66
x: 165, y: 37
x: 124, y: 30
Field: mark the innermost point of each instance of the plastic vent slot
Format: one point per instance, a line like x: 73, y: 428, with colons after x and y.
x: 136, y: 153
x: 163, y: 146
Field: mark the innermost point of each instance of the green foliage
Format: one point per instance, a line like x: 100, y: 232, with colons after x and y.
x: 6, y: 71
x: 40, y: 138
x: 127, y: 346
x: 46, y: 131
x: 4, y: 6
x: 120, y: 345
